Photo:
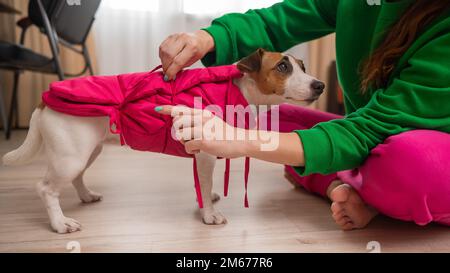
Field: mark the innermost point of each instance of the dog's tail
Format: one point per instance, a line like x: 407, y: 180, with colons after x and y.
x: 30, y: 147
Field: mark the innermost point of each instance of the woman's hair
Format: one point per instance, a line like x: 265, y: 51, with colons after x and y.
x: 376, y: 70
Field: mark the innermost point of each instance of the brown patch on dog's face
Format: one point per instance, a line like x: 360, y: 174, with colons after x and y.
x: 41, y: 105
x: 270, y: 70
x: 301, y: 64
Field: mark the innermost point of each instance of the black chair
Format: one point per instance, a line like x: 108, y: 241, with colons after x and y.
x: 65, y: 23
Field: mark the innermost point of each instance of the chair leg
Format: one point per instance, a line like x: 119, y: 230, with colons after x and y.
x: 13, y: 105
x: 3, y: 113
x: 52, y: 39
x: 16, y: 105
x: 87, y: 59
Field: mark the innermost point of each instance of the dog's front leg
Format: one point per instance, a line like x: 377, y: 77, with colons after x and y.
x: 205, y: 169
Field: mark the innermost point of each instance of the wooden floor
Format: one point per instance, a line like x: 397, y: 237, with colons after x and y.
x: 149, y: 206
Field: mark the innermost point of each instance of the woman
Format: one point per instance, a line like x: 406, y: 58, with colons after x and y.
x: 394, y: 67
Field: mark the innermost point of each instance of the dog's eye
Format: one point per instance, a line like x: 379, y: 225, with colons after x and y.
x: 282, y: 67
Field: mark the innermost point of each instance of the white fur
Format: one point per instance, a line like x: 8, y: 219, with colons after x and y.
x: 29, y: 148
x: 298, y: 85
x: 72, y: 143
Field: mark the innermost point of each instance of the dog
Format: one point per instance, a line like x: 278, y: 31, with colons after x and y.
x: 269, y: 78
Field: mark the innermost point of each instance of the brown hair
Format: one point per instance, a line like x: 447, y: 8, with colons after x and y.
x: 378, y: 67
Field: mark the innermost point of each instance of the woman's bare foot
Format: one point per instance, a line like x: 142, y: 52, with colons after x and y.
x: 349, y: 210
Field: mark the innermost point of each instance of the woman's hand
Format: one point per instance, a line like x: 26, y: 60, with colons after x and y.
x: 183, y: 49
x: 200, y: 130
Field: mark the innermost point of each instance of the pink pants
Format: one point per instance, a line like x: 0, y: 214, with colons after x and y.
x: 407, y: 177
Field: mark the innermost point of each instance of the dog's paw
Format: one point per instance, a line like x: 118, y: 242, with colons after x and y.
x: 91, y: 197
x: 66, y: 225
x: 213, y: 218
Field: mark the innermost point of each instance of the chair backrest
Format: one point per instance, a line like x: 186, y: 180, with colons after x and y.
x: 72, y: 19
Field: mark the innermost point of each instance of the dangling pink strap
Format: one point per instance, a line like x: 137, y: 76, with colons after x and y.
x: 246, y: 171
x: 197, y: 185
x: 156, y: 68
x: 226, y: 177
x: 114, y: 121
x: 226, y: 174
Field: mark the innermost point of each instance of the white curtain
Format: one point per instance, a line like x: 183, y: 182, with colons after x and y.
x: 128, y: 32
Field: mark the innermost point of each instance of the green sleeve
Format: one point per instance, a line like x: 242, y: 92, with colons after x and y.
x: 276, y: 28
x: 419, y: 97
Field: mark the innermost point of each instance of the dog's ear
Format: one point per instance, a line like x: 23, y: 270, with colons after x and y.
x: 251, y: 63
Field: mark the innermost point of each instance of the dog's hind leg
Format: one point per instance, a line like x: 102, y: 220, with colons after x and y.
x: 86, y: 195
x: 49, y: 190
x: 66, y: 164
x: 69, y: 142
x: 205, y: 169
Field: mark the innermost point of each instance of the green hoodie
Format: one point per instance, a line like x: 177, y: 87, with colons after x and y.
x: 418, y: 92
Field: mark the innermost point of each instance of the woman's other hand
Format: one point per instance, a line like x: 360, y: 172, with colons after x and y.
x: 183, y: 49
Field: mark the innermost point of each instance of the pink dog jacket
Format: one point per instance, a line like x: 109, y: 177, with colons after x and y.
x: 129, y: 101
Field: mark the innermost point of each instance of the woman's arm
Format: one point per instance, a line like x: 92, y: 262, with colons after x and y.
x: 202, y: 131
x: 289, y: 150
x: 418, y: 97
x: 276, y: 28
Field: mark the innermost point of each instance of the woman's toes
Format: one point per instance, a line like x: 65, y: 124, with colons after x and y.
x: 349, y: 210
x: 343, y: 221
x: 338, y: 215
x: 341, y: 193
x: 348, y: 226
x: 337, y: 208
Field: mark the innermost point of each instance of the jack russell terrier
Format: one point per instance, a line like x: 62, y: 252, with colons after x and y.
x: 74, y: 119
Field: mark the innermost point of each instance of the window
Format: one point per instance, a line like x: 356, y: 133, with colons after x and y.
x: 214, y: 7
x: 134, y: 5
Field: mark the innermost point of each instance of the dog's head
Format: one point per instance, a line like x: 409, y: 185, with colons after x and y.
x: 281, y: 77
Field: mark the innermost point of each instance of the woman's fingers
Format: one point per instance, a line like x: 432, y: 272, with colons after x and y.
x: 184, y: 58
x: 176, y: 52
x: 169, y: 49
x: 183, y: 49
x: 164, y: 109
x: 195, y: 128
x: 187, y: 134
x: 164, y: 51
x: 185, y: 121
x: 175, y: 111
x: 193, y: 146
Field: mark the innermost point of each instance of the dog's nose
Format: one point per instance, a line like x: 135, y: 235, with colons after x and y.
x: 317, y: 87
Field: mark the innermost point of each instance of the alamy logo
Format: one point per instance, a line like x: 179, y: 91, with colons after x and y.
x: 73, y: 2
x: 74, y: 247
x: 374, y: 2
x: 374, y: 247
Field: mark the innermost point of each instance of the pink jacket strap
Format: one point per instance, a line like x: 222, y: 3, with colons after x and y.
x: 115, y: 126
x: 226, y: 177
x: 247, y: 170
x: 197, y: 185
x: 156, y: 68
x: 227, y: 169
